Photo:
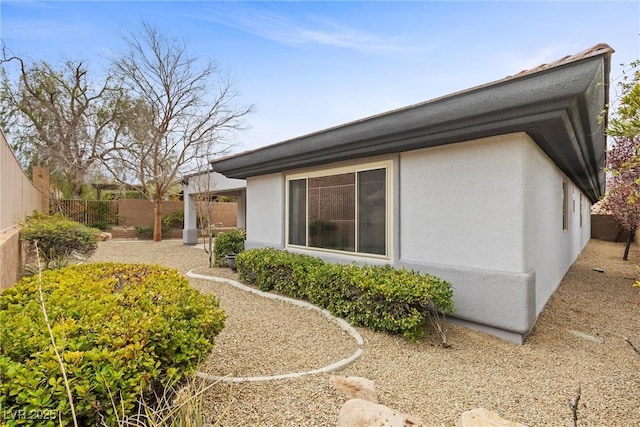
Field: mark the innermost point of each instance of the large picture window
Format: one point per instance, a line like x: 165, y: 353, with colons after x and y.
x: 342, y: 211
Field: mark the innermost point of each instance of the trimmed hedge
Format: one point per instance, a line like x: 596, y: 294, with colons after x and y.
x: 379, y: 297
x: 58, y: 238
x: 122, y: 330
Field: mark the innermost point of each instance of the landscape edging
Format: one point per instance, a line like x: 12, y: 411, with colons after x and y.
x: 325, y: 369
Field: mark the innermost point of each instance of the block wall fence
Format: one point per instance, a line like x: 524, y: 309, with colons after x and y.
x: 18, y: 199
x: 139, y: 213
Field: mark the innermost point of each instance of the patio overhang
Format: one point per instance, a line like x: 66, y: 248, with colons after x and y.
x: 213, y: 183
x: 562, y: 108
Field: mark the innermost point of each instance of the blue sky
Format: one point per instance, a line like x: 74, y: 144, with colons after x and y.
x: 306, y: 66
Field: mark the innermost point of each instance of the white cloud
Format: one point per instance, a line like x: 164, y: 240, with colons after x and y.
x: 39, y: 29
x: 304, y: 30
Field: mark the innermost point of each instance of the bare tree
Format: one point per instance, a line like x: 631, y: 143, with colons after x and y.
x: 182, y: 111
x: 203, y: 199
x: 58, y: 118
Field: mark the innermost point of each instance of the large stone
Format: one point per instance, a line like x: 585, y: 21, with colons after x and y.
x: 105, y: 236
x: 355, y: 387
x: 362, y: 413
x: 481, y: 417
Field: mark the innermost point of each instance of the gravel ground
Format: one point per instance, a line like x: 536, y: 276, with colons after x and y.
x: 531, y: 384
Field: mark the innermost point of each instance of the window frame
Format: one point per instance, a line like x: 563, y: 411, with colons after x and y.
x: 354, y: 168
x: 581, y: 209
x: 565, y: 205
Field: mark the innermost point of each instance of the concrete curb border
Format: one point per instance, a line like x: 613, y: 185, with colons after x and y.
x: 325, y: 369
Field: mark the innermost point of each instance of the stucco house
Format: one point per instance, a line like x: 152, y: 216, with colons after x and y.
x: 488, y: 188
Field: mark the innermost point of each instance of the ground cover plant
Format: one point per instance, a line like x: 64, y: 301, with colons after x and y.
x: 379, y: 297
x: 123, y: 331
x: 59, y: 240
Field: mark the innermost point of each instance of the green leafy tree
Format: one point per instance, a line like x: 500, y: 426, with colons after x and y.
x: 626, y: 121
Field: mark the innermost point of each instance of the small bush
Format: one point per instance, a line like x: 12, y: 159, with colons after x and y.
x: 58, y: 238
x: 101, y: 225
x: 174, y: 220
x: 379, y: 297
x: 147, y: 232
x: 230, y: 242
x: 122, y: 330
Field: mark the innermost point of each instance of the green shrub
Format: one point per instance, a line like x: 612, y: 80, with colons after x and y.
x: 272, y: 269
x: 147, y: 232
x: 230, y: 242
x: 379, y: 297
x: 122, y: 330
x: 175, y: 219
x: 101, y: 225
x: 58, y: 239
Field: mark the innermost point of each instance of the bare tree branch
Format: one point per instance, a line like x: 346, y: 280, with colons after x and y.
x: 60, y: 119
x: 574, y: 406
x: 182, y: 110
x: 628, y: 341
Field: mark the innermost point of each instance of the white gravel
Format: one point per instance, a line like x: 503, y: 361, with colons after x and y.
x: 531, y: 384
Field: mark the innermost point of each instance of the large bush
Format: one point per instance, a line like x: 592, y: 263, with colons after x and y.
x: 230, y: 242
x: 59, y: 240
x: 379, y: 297
x: 123, y: 330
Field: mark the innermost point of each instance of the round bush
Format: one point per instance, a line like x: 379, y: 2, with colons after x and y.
x: 122, y: 330
x: 231, y: 242
x: 58, y: 238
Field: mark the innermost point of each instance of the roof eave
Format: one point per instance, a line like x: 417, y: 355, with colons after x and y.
x: 559, y: 108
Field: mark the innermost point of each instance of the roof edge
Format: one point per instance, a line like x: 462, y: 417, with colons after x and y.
x: 529, y: 102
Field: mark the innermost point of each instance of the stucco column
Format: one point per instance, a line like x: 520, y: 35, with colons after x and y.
x: 41, y: 182
x: 241, y: 216
x: 190, y: 231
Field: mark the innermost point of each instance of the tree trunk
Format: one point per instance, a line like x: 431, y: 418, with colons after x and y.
x: 632, y: 234
x: 157, y: 220
x: 77, y: 181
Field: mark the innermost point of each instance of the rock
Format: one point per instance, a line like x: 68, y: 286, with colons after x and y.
x: 481, y: 417
x: 105, y: 236
x: 362, y: 413
x: 355, y: 387
x: 587, y: 336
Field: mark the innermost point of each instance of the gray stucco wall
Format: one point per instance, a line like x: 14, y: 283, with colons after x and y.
x: 463, y: 220
x: 265, y: 211
x: 485, y: 215
x: 549, y: 250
